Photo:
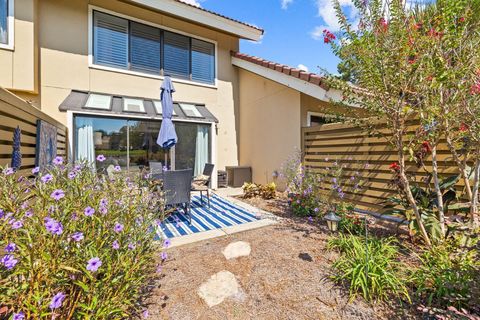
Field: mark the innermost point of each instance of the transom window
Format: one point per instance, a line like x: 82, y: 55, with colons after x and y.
x: 124, y: 44
x: 133, y: 105
x: 6, y: 24
x: 190, y: 110
x: 99, y: 101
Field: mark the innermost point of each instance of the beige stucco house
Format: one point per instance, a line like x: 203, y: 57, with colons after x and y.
x: 97, y: 67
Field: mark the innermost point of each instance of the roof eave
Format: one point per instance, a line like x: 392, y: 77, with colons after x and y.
x: 202, y: 17
x: 310, y: 89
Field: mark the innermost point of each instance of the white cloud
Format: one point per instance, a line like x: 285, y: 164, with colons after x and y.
x: 302, y: 67
x: 195, y: 3
x: 286, y: 3
x: 326, y: 11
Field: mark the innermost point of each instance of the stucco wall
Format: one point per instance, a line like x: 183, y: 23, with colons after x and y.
x: 269, y: 125
x: 312, y: 104
x: 18, y: 66
x: 64, y: 65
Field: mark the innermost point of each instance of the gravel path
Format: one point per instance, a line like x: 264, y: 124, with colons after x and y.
x: 285, y: 276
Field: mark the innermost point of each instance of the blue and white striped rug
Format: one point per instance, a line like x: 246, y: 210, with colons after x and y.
x: 222, y: 213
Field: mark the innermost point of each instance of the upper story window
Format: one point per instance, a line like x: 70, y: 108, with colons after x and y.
x: 6, y: 24
x: 121, y: 43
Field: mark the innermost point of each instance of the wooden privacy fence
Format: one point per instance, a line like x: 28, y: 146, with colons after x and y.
x: 17, y: 112
x: 368, y: 155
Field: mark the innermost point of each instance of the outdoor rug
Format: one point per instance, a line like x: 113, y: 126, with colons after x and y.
x: 222, y: 213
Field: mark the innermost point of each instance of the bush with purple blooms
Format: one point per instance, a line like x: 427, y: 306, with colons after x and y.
x: 313, y: 192
x: 75, y: 244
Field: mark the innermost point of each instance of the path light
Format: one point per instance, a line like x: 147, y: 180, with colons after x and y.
x: 332, y: 221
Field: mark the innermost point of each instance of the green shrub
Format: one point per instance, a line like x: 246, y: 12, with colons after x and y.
x: 350, y: 222
x: 449, y: 274
x: 267, y: 191
x: 374, y: 275
x: 74, y: 244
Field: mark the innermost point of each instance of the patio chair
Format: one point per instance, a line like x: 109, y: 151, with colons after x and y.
x: 155, y: 167
x: 202, y: 182
x: 176, y: 187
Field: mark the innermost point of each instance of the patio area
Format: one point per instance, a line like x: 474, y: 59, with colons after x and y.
x: 225, y: 216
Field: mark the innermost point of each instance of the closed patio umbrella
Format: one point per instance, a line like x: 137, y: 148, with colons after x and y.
x: 167, y: 136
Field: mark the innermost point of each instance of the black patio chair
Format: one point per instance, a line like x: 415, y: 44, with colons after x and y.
x: 203, y: 185
x: 155, y: 167
x: 176, y: 188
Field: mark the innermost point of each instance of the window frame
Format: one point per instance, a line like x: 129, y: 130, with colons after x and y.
x: 93, y: 65
x: 10, y: 45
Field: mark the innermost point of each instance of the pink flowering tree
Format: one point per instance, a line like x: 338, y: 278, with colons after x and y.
x: 417, y: 63
x: 378, y: 53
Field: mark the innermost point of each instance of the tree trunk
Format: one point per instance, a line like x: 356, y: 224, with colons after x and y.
x: 461, y: 167
x: 474, y: 205
x: 441, y: 211
x: 410, y: 198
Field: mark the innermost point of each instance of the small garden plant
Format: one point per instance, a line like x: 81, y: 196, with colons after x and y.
x: 75, y: 244
x: 371, y: 270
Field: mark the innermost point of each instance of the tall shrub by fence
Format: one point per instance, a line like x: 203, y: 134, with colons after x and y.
x: 17, y: 112
x: 369, y: 155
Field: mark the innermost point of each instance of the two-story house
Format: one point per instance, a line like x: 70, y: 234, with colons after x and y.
x: 97, y: 66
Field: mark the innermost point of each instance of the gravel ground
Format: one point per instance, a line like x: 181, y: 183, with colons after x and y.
x: 286, y: 276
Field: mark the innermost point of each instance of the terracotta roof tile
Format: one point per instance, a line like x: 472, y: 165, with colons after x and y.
x: 221, y: 15
x: 312, y: 78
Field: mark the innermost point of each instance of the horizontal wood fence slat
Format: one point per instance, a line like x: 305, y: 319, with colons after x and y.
x: 366, y: 156
x: 16, y: 112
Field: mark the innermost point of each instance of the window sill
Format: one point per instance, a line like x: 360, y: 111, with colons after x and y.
x: 9, y: 46
x: 151, y: 76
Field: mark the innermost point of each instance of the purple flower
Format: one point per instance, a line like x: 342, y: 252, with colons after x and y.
x: 8, y: 171
x: 159, y: 268
x: 16, y: 224
x: 19, y: 316
x: 167, y: 243
x: 2, y: 213
x: 57, y: 300
x: 9, y: 261
x: 316, y: 209
x: 47, y: 178
x: 72, y: 175
x: 118, y: 227
x: 132, y: 246
x: 117, y: 168
x: 103, y: 210
x: 58, y: 160
x: 115, y: 245
x: 57, y: 194
x: 145, y: 314
x: 101, y: 158
x: 10, y: 247
x: 53, y: 226
x: 89, y: 211
x: 93, y: 264
x: 164, y: 255
x: 35, y: 170
x: 103, y: 202
x: 310, y: 219
x: 77, y: 236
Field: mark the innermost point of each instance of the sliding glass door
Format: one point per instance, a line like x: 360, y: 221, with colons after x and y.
x: 143, y: 146
x: 131, y: 143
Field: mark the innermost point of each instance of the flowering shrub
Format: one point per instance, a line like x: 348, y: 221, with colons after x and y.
x: 74, y: 244
x: 266, y: 191
x: 314, y: 192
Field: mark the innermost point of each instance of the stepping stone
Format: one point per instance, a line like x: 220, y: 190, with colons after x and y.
x: 219, y: 287
x: 237, y: 249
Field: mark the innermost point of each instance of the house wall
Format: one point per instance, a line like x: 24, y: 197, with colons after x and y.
x: 64, y: 65
x: 269, y: 125
x: 311, y: 104
x: 18, y: 67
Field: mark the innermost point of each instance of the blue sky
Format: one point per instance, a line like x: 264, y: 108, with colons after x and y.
x: 292, y: 29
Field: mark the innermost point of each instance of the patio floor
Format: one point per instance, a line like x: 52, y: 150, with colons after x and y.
x: 222, y: 218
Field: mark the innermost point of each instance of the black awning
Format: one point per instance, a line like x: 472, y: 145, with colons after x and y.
x: 115, y: 105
